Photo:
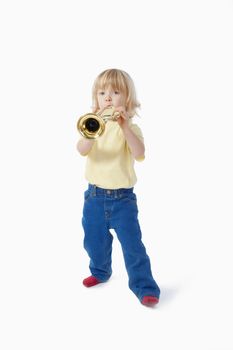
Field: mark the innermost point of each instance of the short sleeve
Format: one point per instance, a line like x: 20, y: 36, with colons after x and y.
x: 137, y: 131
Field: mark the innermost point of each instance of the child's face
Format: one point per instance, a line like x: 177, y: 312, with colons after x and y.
x: 110, y: 97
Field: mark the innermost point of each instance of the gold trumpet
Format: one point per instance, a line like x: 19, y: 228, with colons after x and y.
x: 92, y: 125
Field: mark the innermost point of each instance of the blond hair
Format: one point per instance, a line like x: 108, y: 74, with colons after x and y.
x: 118, y: 80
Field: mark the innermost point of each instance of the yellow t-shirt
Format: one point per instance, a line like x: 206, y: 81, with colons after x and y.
x: 110, y: 163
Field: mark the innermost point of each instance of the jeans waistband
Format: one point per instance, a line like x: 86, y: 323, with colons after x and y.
x: 108, y: 192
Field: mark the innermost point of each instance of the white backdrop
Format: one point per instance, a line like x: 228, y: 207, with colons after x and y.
x: 179, y: 54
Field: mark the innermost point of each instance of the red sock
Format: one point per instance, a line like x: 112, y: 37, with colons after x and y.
x: 149, y: 300
x: 90, y: 281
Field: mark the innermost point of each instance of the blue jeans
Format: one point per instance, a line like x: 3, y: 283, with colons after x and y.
x: 116, y: 209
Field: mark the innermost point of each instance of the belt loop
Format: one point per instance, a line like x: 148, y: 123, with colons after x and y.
x: 115, y: 194
x: 94, y: 190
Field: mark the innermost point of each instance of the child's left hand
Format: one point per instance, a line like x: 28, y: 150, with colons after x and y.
x: 123, y: 119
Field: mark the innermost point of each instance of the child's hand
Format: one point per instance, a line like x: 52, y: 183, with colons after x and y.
x: 123, y: 119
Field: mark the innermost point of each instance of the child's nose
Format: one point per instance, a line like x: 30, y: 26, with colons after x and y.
x: 108, y: 97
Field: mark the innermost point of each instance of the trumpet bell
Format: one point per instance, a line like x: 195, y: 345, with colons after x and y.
x: 90, y: 126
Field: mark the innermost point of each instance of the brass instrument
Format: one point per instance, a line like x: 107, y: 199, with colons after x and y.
x: 92, y: 125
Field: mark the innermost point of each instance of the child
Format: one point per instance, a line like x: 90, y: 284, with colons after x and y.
x: 109, y: 201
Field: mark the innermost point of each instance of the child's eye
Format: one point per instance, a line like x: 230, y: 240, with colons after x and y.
x: 101, y: 93
x: 116, y: 92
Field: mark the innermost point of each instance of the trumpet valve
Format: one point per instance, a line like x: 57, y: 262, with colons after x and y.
x: 109, y: 113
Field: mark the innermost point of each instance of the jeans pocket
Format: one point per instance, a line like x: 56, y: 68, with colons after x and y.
x: 130, y: 197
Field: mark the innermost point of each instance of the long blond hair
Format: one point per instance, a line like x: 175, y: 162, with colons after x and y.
x: 118, y: 80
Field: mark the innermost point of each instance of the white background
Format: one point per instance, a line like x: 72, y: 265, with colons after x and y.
x: 179, y: 54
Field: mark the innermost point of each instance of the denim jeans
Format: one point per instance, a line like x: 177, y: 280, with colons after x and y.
x: 116, y: 209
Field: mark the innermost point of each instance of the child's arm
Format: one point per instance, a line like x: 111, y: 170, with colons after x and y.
x: 136, y: 146
x: 84, y: 146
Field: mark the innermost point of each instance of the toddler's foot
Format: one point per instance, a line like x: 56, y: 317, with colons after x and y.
x: 90, y: 281
x: 149, y: 300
